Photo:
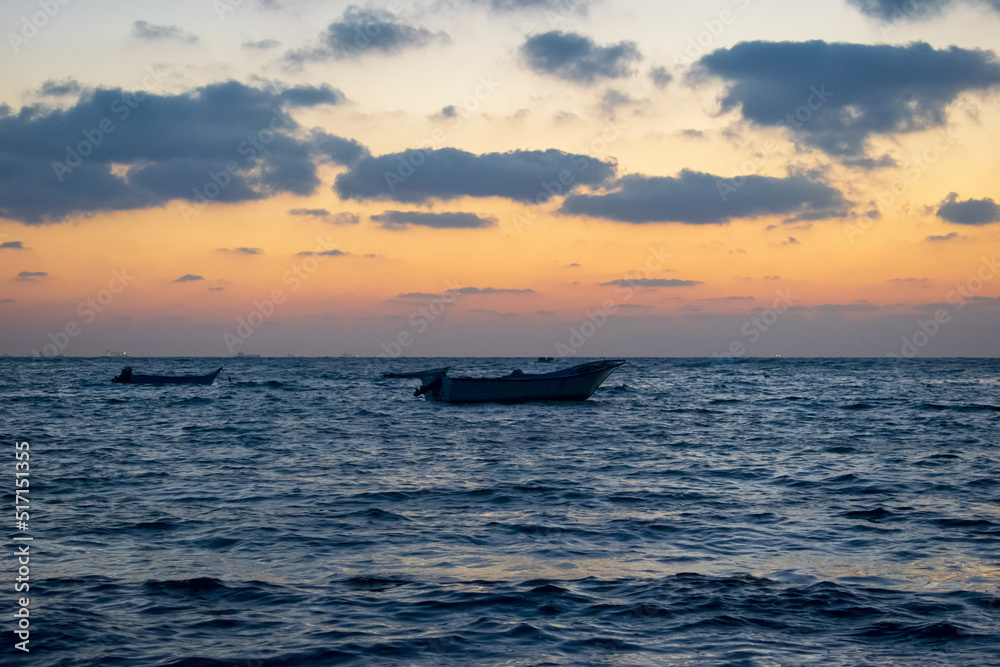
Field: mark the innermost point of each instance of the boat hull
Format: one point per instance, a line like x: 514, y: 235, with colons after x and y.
x: 171, y: 379
x: 567, y: 385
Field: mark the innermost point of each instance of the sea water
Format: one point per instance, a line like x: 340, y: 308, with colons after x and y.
x: 306, y: 511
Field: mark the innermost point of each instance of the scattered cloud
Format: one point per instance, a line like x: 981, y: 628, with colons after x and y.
x: 577, y: 58
x: 517, y: 6
x: 225, y: 142
x: 399, y: 220
x: 260, y: 44
x: 30, y: 276
x: 834, y: 96
x: 340, y: 219
x: 611, y: 100
x: 660, y: 76
x: 150, y: 31
x: 362, y: 32
x: 187, y: 278
x: 60, y: 88
x: 651, y: 282
x: 419, y: 176
x: 946, y: 237
x: 242, y: 251
x: 12, y: 245
x: 791, y: 241
x: 968, y: 212
x: 324, y: 253
x: 466, y: 290
x: 698, y: 198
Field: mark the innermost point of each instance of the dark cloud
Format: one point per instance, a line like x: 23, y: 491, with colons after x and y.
x: 398, y: 220
x: 30, y: 276
x: 224, y: 142
x: 242, y: 251
x: 12, y: 245
x: 897, y: 11
x: 447, y: 173
x: 362, y: 32
x: 578, y: 58
x: 652, y: 282
x: 968, y: 212
x: 187, y: 278
x: 261, y: 44
x: 310, y: 96
x: 833, y: 96
x: 660, y: 76
x: 697, y: 198
x: 60, y: 88
x: 337, y: 150
x: 144, y: 30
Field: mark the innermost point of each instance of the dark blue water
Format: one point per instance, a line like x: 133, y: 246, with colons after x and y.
x: 767, y: 512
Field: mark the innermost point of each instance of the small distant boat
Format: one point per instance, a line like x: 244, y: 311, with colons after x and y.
x: 576, y: 383
x: 128, y: 377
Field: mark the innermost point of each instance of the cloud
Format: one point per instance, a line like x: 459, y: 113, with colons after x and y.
x: 30, y: 276
x: 60, y: 88
x: 612, y: 99
x: 261, y: 44
x: 398, y: 220
x: 242, y: 251
x: 466, y: 290
x: 791, y: 241
x: 310, y: 212
x: 225, y: 142
x: 12, y: 245
x: 187, y: 278
x: 651, y: 282
x: 834, y: 96
x: 898, y: 11
x: 311, y: 96
x: 337, y: 150
x: 697, y: 198
x: 447, y: 173
x: 362, y: 32
x: 514, y: 6
x: 946, y: 237
x: 577, y: 58
x: 660, y: 77
x: 149, y: 31
x: 968, y: 212
x: 324, y: 253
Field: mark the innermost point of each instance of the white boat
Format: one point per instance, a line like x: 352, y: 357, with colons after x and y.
x: 576, y: 383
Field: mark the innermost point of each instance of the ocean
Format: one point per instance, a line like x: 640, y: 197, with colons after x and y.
x: 306, y: 511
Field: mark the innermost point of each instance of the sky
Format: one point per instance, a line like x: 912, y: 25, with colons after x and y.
x: 569, y: 178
